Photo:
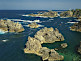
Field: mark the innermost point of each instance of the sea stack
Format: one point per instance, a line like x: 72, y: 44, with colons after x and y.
x: 10, y: 26
x: 45, y: 35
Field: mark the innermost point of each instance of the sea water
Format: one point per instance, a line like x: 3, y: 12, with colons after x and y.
x: 12, y: 49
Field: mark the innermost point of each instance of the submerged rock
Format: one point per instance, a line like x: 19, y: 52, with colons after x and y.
x: 79, y: 49
x: 33, y: 25
x: 45, y: 14
x: 64, y: 45
x: 46, y: 35
x: 76, y: 27
x: 10, y: 26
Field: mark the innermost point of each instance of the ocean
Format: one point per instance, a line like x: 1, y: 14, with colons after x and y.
x: 12, y: 44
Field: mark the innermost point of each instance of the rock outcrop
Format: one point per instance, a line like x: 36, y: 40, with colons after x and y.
x: 64, y: 45
x: 66, y: 14
x: 49, y: 35
x: 71, y: 13
x: 46, y: 35
x: 33, y: 25
x: 10, y: 26
x: 45, y: 14
x: 76, y: 27
x: 79, y: 49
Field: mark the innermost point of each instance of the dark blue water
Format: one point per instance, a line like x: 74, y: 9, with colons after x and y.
x: 12, y: 50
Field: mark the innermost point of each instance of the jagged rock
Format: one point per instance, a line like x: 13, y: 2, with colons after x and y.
x: 66, y: 14
x: 45, y: 14
x: 33, y: 25
x: 10, y: 26
x: 49, y: 35
x: 64, y: 45
x: 33, y: 45
x: 79, y: 49
x: 72, y: 13
x: 55, y: 56
x: 76, y: 27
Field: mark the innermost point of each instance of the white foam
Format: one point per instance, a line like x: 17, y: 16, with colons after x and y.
x: 25, y: 20
x: 2, y: 32
x: 33, y: 21
x: 51, y: 19
x: 16, y: 20
x: 25, y: 15
x: 72, y: 22
x: 58, y: 14
x: 64, y: 17
x: 78, y: 19
x: 4, y: 40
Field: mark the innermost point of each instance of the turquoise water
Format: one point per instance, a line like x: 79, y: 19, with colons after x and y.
x: 12, y: 50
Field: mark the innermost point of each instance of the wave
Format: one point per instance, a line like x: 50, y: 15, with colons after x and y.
x: 51, y: 19
x: 77, y: 19
x: 20, y: 20
x: 25, y: 15
x: 64, y: 17
x: 72, y: 22
x: 16, y: 20
x: 36, y: 16
x: 2, y: 32
x: 5, y: 40
x: 33, y: 21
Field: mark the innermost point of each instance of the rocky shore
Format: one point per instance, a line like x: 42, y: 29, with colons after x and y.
x: 71, y: 13
x: 33, y: 25
x: 46, y: 35
x: 76, y: 27
x: 10, y: 26
x: 45, y: 14
x: 79, y: 49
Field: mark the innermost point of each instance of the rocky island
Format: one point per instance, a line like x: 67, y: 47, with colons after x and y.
x: 71, y: 13
x: 64, y: 45
x: 33, y: 25
x: 79, y: 49
x: 46, y: 35
x: 76, y: 27
x: 45, y: 14
x: 10, y: 26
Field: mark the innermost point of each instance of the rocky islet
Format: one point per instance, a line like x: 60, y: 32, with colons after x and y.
x: 46, y: 35
x: 10, y: 26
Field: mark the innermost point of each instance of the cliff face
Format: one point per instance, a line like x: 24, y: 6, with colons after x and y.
x: 72, y: 13
x: 76, y: 27
x: 10, y: 26
x: 45, y: 14
x: 46, y: 35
